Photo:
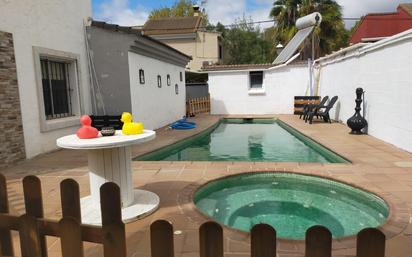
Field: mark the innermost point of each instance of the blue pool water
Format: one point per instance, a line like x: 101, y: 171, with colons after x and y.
x: 264, y: 140
x: 290, y: 203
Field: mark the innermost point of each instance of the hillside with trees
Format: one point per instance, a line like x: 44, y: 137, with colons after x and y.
x: 245, y: 42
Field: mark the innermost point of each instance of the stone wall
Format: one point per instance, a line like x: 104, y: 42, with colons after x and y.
x: 11, y: 128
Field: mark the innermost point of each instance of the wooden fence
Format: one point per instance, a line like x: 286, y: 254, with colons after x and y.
x: 33, y: 228
x: 198, y: 105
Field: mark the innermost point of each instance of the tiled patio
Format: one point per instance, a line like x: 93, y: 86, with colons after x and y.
x: 376, y: 166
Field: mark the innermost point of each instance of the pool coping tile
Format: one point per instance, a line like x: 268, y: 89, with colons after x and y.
x: 370, y: 158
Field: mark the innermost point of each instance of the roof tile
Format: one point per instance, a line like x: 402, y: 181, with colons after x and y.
x: 176, y: 25
x: 407, y: 8
x: 237, y: 66
x: 132, y: 30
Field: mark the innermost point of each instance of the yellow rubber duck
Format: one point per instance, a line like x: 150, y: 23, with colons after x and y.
x: 129, y: 127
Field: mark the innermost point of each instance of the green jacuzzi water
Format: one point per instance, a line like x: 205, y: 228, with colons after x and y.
x: 290, y: 203
x: 262, y: 140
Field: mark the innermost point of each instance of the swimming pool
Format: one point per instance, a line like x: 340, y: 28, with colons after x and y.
x: 290, y: 203
x: 260, y: 140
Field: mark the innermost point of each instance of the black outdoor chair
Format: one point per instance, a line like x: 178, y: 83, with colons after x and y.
x: 322, y: 111
x: 102, y: 121
x: 309, y: 107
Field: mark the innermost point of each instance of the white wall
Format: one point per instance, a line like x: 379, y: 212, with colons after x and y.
x: 382, y: 69
x: 229, y: 91
x: 156, y: 107
x: 53, y: 24
x: 386, y: 75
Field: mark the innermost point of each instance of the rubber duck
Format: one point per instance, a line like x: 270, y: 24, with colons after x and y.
x: 129, y: 127
x: 87, y: 131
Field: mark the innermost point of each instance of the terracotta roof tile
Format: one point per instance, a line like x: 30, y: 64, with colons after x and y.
x: 177, y: 25
x: 132, y: 30
x: 237, y: 66
x: 407, y: 8
x: 376, y: 25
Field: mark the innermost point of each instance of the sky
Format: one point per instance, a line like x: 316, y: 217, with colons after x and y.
x: 135, y: 12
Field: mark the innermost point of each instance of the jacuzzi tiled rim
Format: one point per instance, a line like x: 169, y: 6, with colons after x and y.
x: 397, y: 221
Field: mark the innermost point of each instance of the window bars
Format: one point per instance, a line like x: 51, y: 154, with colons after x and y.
x: 56, y: 89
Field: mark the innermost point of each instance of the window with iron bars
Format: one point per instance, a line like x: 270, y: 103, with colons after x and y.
x: 256, y: 79
x: 56, y: 89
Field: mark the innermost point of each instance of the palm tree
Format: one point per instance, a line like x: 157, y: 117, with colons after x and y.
x: 330, y: 36
x: 286, y: 13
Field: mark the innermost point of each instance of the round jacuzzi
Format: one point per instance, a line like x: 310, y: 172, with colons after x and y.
x: 291, y: 203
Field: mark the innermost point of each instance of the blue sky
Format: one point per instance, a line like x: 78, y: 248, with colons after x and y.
x: 135, y: 12
x: 149, y: 4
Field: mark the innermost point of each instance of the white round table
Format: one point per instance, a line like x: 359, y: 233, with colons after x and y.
x: 109, y: 160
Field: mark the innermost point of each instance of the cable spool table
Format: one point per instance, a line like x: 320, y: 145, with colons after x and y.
x: 109, y: 160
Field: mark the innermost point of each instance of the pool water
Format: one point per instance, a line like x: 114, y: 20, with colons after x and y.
x: 290, y: 203
x: 242, y: 140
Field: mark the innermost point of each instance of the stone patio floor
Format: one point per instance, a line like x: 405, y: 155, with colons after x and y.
x: 376, y: 166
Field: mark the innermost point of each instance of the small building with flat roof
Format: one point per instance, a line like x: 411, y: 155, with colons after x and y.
x: 135, y: 73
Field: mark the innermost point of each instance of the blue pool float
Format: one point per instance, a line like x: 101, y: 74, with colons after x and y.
x: 183, y: 124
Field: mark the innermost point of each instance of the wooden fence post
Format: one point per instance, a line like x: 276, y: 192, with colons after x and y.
x: 198, y: 105
x: 263, y: 241
x: 318, y: 242
x: 161, y: 239
x: 33, y: 202
x: 70, y: 199
x: 370, y: 243
x: 30, y: 241
x: 188, y: 109
x: 71, y: 237
x: 6, y: 242
x: 211, y: 240
x: 114, y: 234
x: 208, y: 103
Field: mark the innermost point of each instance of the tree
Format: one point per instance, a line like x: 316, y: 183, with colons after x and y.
x: 286, y: 12
x: 182, y: 8
x: 330, y: 36
x: 243, y: 43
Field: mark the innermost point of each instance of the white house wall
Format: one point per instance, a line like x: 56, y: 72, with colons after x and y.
x: 229, y: 91
x: 385, y: 75
x: 156, y: 107
x: 56, y: 25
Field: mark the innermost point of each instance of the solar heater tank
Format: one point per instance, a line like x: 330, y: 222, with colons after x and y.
x: 312, y: 19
